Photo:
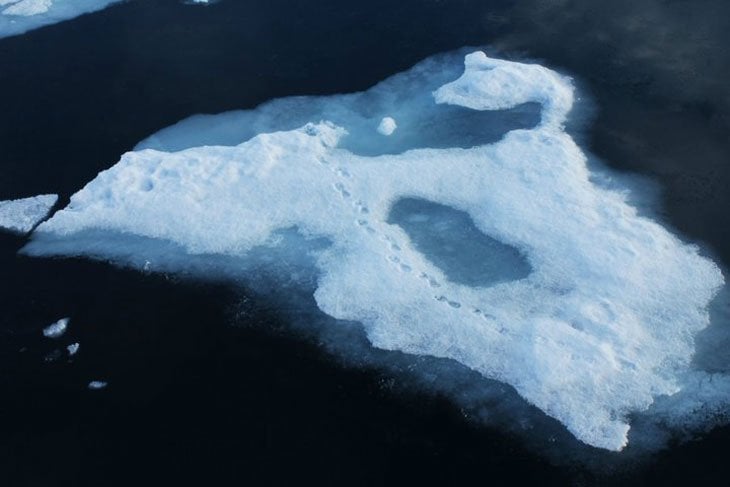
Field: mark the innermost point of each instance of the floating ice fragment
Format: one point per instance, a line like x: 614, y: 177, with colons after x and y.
x: 72, y: 349
x: 95, y: 385
x: 387, y: 126
x: 57, y: 329
x: 22, y: 215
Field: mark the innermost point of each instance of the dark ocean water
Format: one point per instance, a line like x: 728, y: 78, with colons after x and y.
x: 208, y: 384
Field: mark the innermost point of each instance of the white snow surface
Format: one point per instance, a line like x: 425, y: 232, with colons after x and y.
x: 601, y: 327
x: 20, y: 16
x: 22, y: 215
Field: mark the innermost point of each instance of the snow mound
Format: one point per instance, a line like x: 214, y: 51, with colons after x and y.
x: 387, y: 126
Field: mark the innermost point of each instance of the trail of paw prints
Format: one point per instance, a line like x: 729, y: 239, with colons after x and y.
x: 340, y: 187
x: 401, y: 265
x: 365, y: 225
x: 392, y: 255
x: 456, y: 305
x: 444, y: 299
x: 361, y: 209
x: 342, y: 190
x: 394, y: 258
x: 344, y: 173
x: 487, y: 317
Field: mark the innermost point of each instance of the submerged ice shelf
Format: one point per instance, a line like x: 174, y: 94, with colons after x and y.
x: 19, y: 16
x: 589, y: 309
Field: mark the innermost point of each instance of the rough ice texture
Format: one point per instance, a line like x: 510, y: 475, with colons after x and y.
x: 597, y: 325
x: 22, y: 215
x: 57, y: 329
x: 19, y: 16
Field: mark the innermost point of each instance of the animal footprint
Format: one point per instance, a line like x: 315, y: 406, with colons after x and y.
x: 365, y: 225
x: 393, y: 245
x: 431, y: 281
x: 361, y: 207
x: 444, y: 299
x: 342, y: 172
x: 340, y: 188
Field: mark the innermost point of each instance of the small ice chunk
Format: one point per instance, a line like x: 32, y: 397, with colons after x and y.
x: 72, y: 349
x: 387, y: 126
x: 22, y: 215
x: 95, y: 385
x: 57, y: 329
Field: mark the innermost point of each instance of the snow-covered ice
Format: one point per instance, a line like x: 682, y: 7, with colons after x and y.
x: 22, y: 215
x: 593, y: 307
x: 19, y: 16
x: 57, y: 329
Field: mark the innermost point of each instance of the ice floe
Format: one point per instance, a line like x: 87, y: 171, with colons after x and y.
x: 592, y: 308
